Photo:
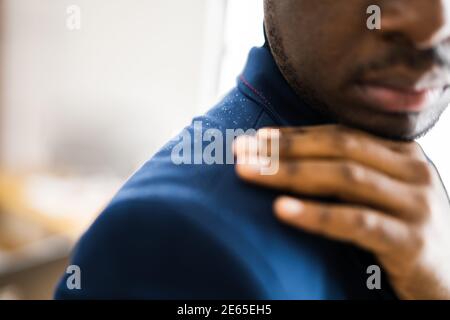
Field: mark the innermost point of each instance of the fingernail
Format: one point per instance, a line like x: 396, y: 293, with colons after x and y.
x: 245, y: 169
x: 291, y: 207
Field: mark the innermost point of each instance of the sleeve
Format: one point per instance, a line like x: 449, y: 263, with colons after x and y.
x: 145, y: 250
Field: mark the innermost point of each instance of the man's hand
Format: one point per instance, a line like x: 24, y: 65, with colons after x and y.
x: 391, y: 200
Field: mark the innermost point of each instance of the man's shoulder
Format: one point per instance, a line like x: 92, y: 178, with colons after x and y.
x: 161, y: 247
x: 165, y: 229
x: 198, y: 163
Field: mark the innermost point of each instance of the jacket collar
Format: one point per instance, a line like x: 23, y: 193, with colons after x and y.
x: 263, y: 82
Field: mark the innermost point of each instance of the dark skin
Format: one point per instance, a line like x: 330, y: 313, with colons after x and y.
x: 391, y: 200
x: 324, y: 50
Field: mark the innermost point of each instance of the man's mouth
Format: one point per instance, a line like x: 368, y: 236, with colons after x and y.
x: 396, y: 99
x: 400, y: 89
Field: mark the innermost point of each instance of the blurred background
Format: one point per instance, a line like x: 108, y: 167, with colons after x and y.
x: 89, y: 90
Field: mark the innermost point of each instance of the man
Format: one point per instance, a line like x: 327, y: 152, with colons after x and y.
x: 197, y: 231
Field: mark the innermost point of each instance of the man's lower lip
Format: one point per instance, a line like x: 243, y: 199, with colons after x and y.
x: 396, y: 100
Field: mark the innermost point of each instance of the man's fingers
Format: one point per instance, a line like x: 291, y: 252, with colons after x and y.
x: 357, y: 146
x: 364, y: 227
x: 331, y: 142
x: 344, y: 180
x: 406, y: 148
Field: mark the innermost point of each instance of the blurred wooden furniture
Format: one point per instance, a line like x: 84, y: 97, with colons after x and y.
x: 41, y: 217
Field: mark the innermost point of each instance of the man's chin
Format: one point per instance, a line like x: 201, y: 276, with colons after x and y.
x: 351, y: 112
x: 400, y: 127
